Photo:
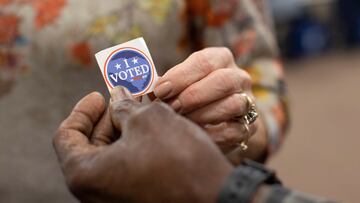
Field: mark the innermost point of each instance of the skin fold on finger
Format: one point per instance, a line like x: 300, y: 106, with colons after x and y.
x: 85, y: 114
x: 193, y: 69
x: 220, y: 111
x: 217, y: 85
x: 104, y: 132
x: 228, y: 135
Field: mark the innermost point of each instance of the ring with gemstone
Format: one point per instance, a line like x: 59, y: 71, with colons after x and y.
x: 251, y: 114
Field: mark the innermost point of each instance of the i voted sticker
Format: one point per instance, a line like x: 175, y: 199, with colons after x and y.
x: 129, y: 65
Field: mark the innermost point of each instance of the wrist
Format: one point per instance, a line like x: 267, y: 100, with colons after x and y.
x: 245, y: 181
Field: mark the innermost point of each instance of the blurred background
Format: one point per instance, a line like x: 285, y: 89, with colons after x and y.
x: 319, y: 40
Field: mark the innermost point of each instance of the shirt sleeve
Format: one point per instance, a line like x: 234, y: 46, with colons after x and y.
x: 253, y: 182
x: 279, y: 194
x: 256, y: 50
x: 247, y: 30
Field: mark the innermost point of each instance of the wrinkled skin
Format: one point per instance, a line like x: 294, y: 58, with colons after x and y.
x: 159, y: 157
x: 206, y: 88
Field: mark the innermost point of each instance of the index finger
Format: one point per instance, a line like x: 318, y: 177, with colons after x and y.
x: 193, y: 69
x: 122, y: 106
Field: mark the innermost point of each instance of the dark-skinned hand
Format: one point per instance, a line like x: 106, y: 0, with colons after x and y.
x: 159, y: 157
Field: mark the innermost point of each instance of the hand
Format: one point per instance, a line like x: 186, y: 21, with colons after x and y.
x: 160, y: 157
x: 207, y: 88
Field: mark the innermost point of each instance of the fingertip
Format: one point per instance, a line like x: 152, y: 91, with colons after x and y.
x: 86, y: 113
x: 120, y: 93
x: 93, y: 100
x: 159, y: 81
x: 163, y: 90
x: 96, y: 94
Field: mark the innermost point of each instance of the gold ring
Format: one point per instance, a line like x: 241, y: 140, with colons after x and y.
x: 251, y: 114
x: 247, y: 120
x: 244, y: 144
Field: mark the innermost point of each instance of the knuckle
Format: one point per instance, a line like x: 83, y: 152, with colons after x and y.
x: 210, y: 59
x: 235, y: 104
x: 120, y: 106
x: 82, y: 115
x: 201, y: 55
x: 58, y: 135
x: 190, y: 97
x: 231, y: 137
x: 149, y: 114
x: 83, y: 126
x: 246, y: 79
x: 225, y: 54
x: 157, y: 108
x: 201, y: 60
x: 137, y: 118
x: 229, y: 80
x: 227, y: 137
x: 184, y: 71
x: 122, y: 110
x: 179, y: 69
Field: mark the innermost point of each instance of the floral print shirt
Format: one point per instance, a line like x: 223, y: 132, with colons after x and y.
x: 47, y: 47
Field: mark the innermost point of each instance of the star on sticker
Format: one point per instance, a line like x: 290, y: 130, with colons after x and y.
x: 135, y: 61
x: 117, y: 66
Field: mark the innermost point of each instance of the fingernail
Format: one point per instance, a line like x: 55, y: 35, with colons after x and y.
x: 120, y: 93
x: 163, y: 90
x: 176, y: 105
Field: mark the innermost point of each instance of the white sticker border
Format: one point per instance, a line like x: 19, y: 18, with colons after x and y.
x: 138, y: 44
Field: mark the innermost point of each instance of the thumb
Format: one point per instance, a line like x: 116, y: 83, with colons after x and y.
x: 72, y: 137
x: 122, y: 105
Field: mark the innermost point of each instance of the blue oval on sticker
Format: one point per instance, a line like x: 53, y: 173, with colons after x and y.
x: 130, y: 68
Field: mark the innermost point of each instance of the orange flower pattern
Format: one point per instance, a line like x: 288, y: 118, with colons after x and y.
x: 244, y: 27
x: 5, y: 2
x: 82, y: 53
x: 47, y: 11
x: 8, y: 28
x: 43, y: 36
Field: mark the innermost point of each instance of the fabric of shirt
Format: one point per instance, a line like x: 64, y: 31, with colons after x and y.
x: 47, y: 49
